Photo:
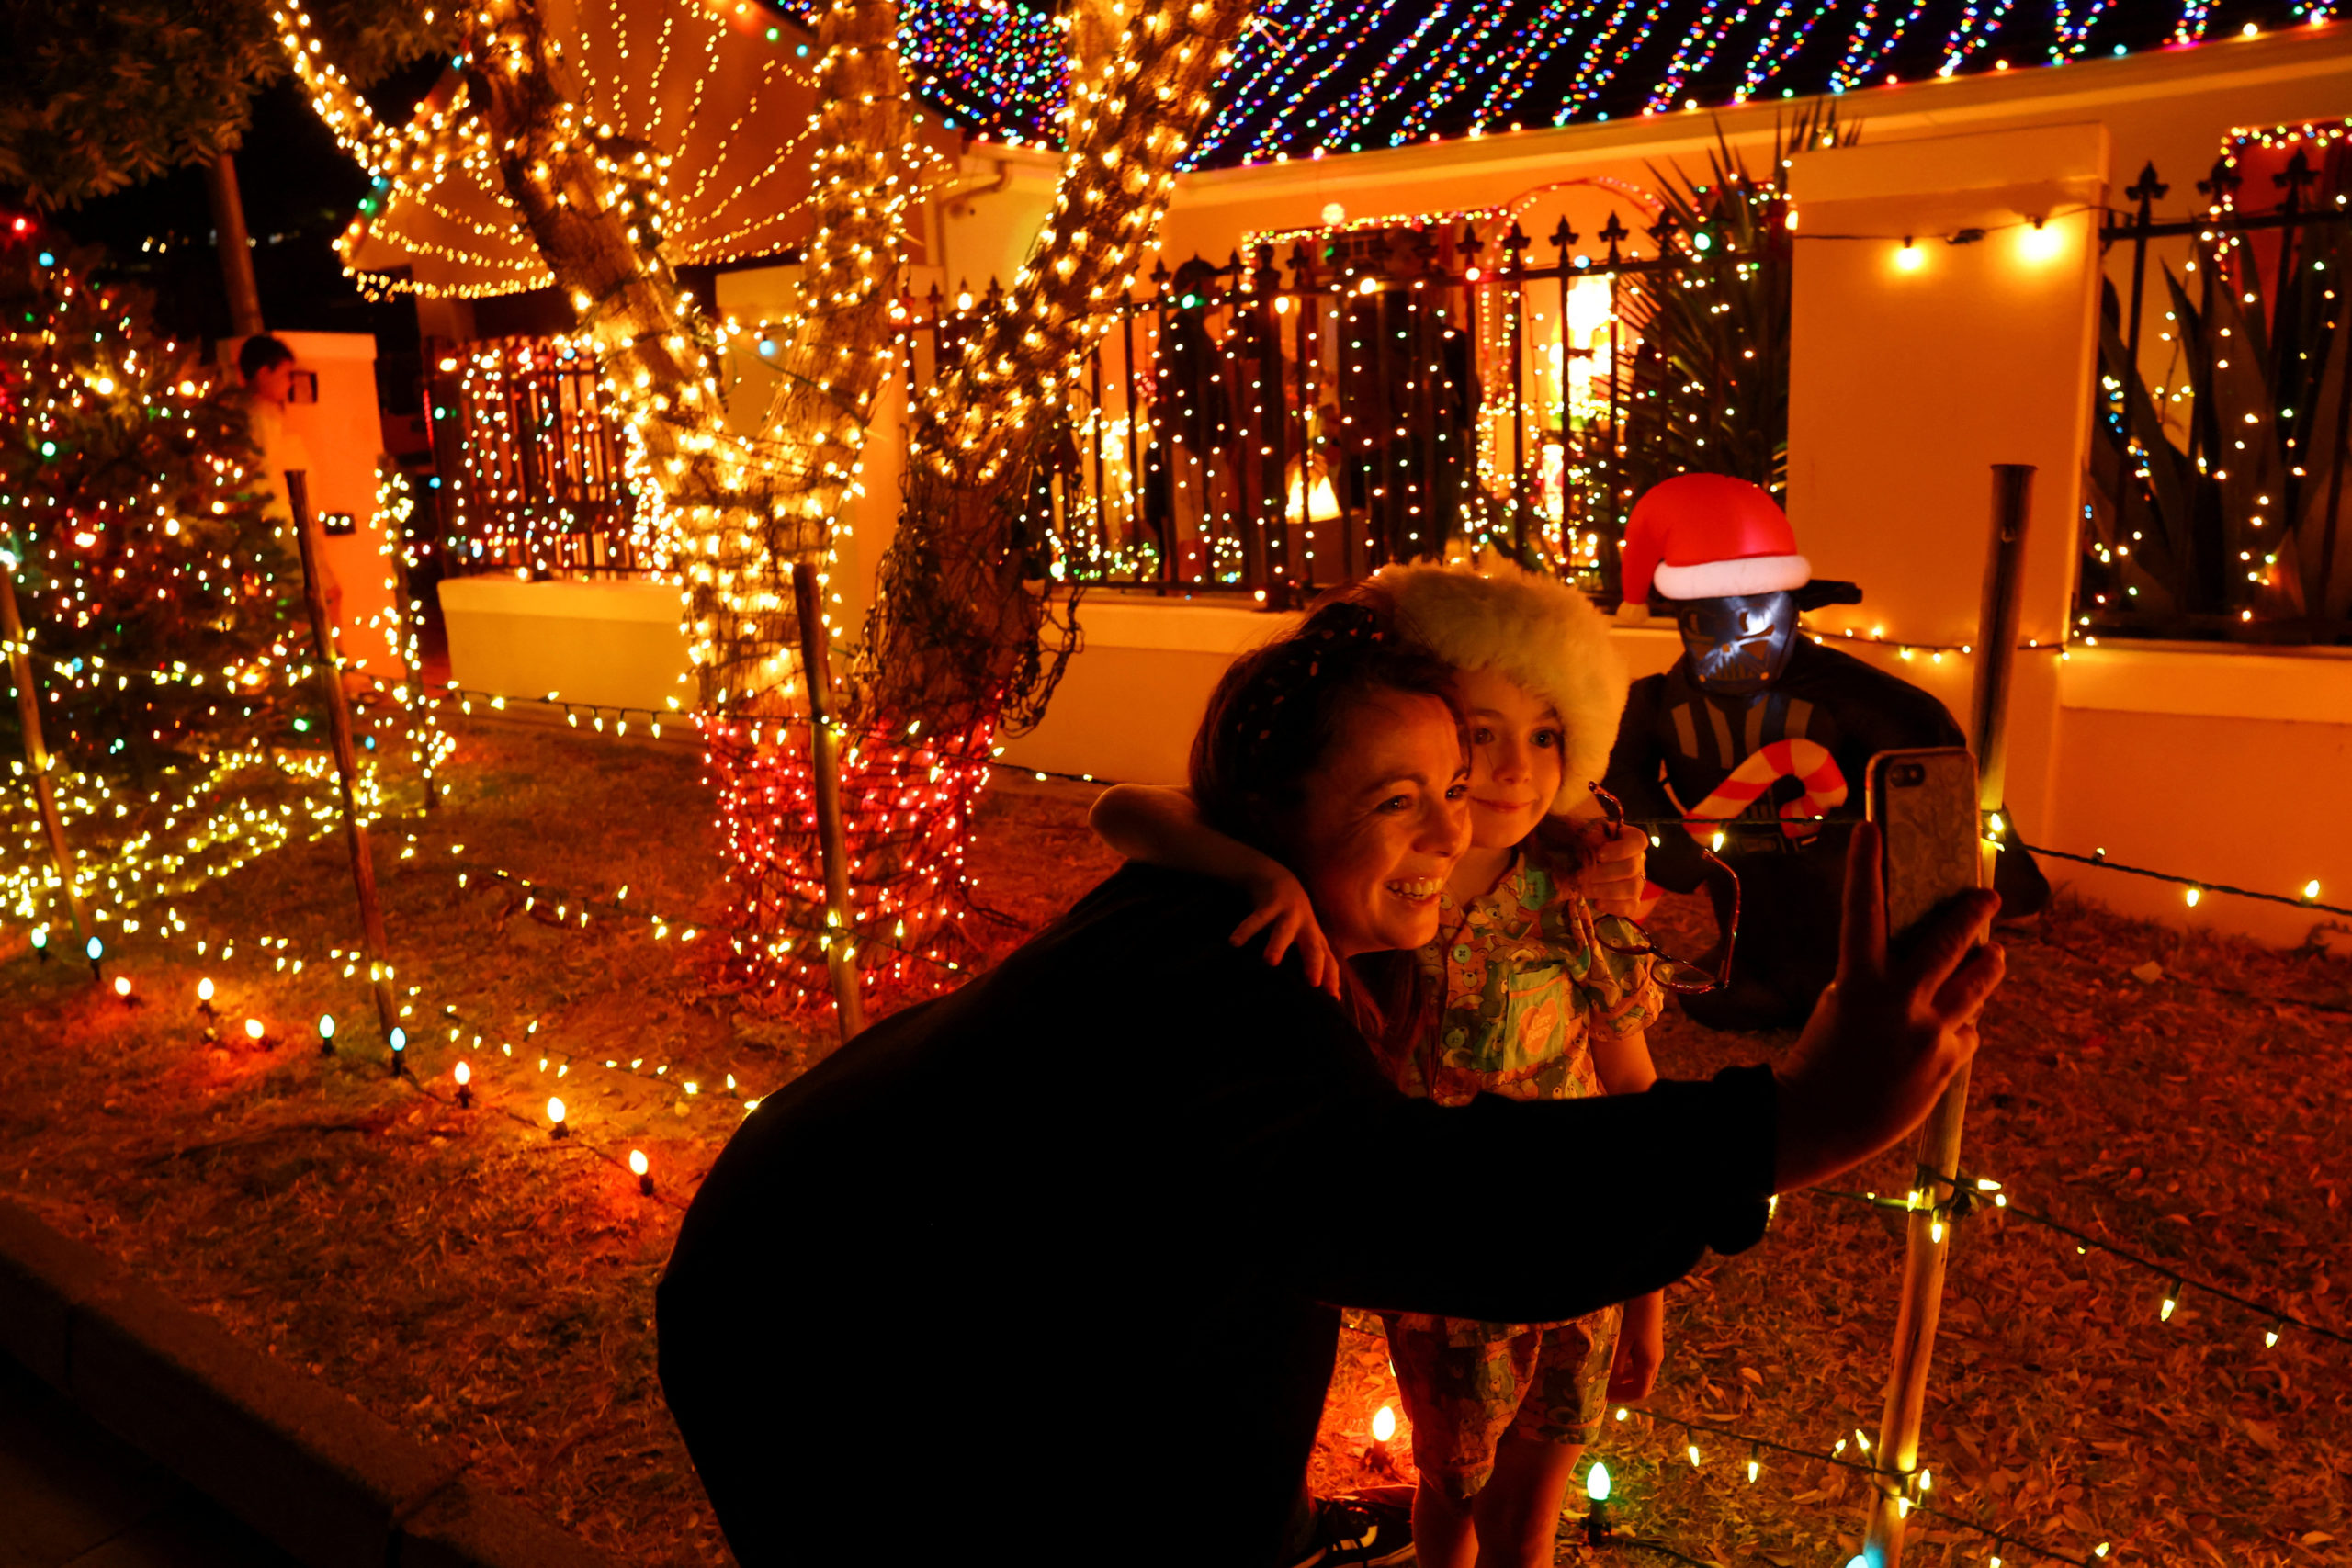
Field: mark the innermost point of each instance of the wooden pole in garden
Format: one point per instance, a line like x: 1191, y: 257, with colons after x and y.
x: 346, y: 759
x: 824, y: 759
x: 1936, y: 1183
x: 21, y: 667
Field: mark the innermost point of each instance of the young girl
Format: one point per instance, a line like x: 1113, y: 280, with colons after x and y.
x: 1524, y: 1001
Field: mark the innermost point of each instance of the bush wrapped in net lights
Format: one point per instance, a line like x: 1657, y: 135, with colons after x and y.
x: 907, y: 801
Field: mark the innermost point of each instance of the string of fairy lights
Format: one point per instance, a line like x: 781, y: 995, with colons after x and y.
x: 1972, y: 1194
x: 1329, y: 76
x: 537, y: 1065
x: 436, y: 193
x: 1912, y: 1491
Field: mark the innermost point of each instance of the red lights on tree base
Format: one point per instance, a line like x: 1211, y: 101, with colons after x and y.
x: 907, y: 801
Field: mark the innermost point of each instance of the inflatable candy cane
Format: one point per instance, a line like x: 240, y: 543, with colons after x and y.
x: 1807, y: 761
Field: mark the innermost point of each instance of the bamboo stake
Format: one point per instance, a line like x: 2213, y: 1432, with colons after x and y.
x: 37, y: 758
x: 1928, y: 1242
x: 346, y: 761
x: 824, y: 754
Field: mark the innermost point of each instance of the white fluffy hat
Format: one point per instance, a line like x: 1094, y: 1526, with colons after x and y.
x: 1535, y: 630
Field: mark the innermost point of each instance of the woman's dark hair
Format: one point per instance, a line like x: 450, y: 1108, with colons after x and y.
x: 1271, y: 722
x: 259, y: 354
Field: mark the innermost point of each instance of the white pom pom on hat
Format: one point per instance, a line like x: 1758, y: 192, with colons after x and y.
x: 1708, y: 535
x: 1535, y: 630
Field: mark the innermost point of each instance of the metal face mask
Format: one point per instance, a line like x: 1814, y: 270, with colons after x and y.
x: 1739, y: 643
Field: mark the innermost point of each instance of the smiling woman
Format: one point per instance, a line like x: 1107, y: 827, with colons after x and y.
x: 1339, y: 752
x: 1131, y: 1114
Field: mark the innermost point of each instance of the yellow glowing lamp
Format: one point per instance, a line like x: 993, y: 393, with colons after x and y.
x: 254, y: 1030
x: 555, y: 1111
x: 2193, y: 895
x: 2270, y: 1338
x: 2311, y: 888
x: 1910, y: 258
x: 1692, y: 1450
x: 637, y: 1166
x: 1383, y: 1424
x: 1596, y: 1483
x: 2172, y: 1300
x: 465, y: 1075
x: 204, y: 989
x: 122, y: 985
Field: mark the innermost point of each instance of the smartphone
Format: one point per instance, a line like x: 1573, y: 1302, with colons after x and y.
x: 1924, y: 803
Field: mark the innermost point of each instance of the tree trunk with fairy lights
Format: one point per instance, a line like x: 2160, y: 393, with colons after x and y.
x: 744, y: 510
x: 956, y: 638
x: 748, y: 513
x: 957, y: 645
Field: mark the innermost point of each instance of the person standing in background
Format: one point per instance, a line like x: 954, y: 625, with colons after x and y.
x: 268, y: 367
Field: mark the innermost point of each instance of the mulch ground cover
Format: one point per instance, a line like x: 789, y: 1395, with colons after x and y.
x: 488, y: 1288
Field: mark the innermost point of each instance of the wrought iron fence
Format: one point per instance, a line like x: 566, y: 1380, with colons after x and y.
x: 1250, y: 430
x: 1246, y: 429
x: 533, y: 467
x: 2217, y: 476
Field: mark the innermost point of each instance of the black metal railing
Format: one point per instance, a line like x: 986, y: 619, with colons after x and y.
x: 2217, y: 467
x: 533, y: 467
x: 1248, y: 429
x: 1255, y: 430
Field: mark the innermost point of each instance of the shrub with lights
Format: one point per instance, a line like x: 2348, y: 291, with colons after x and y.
x: 161, y: 619
x: 1710, y: 390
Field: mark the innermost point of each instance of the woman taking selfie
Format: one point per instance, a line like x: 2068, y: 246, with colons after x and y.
x: 1052, y: 1266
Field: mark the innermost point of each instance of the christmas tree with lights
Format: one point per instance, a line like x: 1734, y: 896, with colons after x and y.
x: 160, y: 618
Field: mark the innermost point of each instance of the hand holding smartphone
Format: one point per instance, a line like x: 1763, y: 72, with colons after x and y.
x: 1924, y: 803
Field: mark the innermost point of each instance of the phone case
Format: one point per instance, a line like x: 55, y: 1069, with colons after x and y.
x: 1924, y: 803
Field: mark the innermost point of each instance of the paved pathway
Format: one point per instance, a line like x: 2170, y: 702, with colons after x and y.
x: 73, y: 1496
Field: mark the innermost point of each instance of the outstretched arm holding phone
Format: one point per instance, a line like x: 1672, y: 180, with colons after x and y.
x: 1889, y: 1034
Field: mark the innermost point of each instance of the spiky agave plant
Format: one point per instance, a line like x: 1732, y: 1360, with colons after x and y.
x: 1710, y: 389
x: 2232, y: 522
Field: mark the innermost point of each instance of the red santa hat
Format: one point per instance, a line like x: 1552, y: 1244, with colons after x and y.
x: 1709, y: 536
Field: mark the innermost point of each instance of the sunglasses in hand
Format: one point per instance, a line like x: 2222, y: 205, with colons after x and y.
x: 1670, y: 972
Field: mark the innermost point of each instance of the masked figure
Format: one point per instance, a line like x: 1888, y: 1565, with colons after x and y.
x: 1759, y: 724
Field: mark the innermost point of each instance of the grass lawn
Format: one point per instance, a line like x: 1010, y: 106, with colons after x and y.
x: 489, y: 1287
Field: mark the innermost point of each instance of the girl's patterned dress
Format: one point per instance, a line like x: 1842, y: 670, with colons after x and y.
x: 1525, y: 983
